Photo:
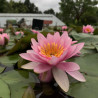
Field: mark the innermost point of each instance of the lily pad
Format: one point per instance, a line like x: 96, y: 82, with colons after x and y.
x: 4, y: 91
x: 89, y: 89
x: 9, y: 60
x: 17, y: 82
x: 2, y: 69
x: 88, y: 63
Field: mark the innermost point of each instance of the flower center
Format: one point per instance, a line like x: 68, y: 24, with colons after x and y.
x: 52, y: 49
x: 88, y: 30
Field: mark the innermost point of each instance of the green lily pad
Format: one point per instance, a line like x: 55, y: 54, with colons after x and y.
x: 78, y: 36
x: 4, y: 91
x: 17, y: 83
x: 88, y: 63
x: 88, y: 51
x: 89, y: 89
x: 9, y: 60
x: 96, y: 47
x: 2, y: 69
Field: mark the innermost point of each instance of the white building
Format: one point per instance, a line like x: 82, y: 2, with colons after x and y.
x: 29, y: 18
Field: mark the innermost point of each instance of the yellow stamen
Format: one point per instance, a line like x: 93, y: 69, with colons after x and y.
x: 88, y: 30
x: 52, y: 49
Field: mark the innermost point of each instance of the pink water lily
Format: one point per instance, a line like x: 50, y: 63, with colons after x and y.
x: 1, y: 30
x: 1, y: 40
x: 48, y: 58
x: 88, y: 29
x: 19, y: 32
x: 35, y: 32
x: 64, y: 27
x: 4, y: 36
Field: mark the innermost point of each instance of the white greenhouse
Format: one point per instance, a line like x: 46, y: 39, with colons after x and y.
x: 29, y: 18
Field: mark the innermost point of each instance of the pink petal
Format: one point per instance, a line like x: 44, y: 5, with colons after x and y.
x: 73, y: 42
x: 35, y: 45
x: 73, y: 50
x: 30, y: 51
x: 46, y: 76
x: 65, y: 40
x: 56, y: 37
x: 1, y: 40
x: 5, y: 35
x: 37, y: 58
x: 53, y: 38
x: 40, y: 68
x: 68, y: 66
x: 30, y: 65
x: 26, y: 56
x: 41, y: 39
x: 32, y: 56
x: 50, y: 38
x: 55, y: 60
x: 61, y: 79
x: 77, y: 75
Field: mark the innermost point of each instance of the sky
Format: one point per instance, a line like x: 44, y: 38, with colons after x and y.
x: 45, y: 4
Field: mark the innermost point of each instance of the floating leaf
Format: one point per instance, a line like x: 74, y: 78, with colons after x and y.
x: 88, y: 64
x: 2, y: 69
x: 89, y: 89
x: 4, y: 91
x: 9, y: 60
x: 17, y: 82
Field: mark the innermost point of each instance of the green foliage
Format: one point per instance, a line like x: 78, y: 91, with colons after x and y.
x: 31, y: 8
x: 78, y: 11
x: 78, y: 28
x: 18, y: 7
x: 2, y: 6
x: 96, y: 31
x: 22, y: 44
x: 49, y: 11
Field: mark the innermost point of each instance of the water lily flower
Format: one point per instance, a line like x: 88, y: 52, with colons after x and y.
x: 1, y: 40
x: 35, y: 32
x: 4, y: 36
x: 64, y: 27
x: 19, y: 32
x: 88, y: 29
x: 48, y: 58
x: 1, y: 30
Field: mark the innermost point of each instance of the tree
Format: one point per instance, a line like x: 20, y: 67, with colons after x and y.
x: 31, y: 8
x: 73, y: 10
x: 49, y: 11
x: 28, y: 5
x: 2, y: 6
